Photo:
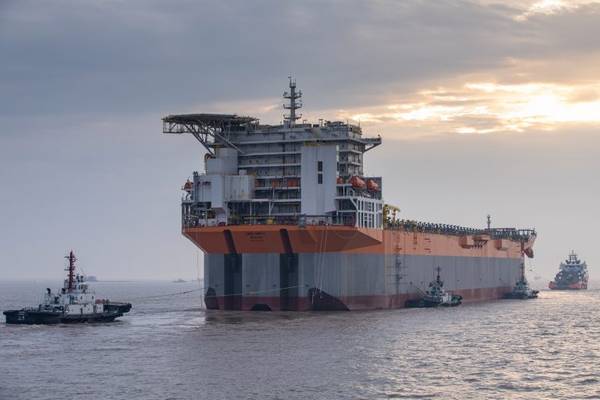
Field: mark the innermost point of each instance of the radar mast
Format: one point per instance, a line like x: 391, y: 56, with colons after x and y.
x: 71, y: 270
x: 295, y: 103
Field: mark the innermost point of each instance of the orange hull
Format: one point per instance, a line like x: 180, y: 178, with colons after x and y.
x: 331, y: 267
x: 572, y: 286
x: 344, y: 239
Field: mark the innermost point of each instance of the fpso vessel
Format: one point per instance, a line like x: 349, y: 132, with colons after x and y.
x: 572, y: 275
x: 287, y: 220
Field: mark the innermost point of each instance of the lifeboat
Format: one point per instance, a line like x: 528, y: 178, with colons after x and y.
x: 187, y: 186
x: 357, y: 183
x: 372, y: 186
x: 340, y: 180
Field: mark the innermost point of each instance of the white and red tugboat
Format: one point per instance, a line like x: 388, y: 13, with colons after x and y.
x: 74, y: 303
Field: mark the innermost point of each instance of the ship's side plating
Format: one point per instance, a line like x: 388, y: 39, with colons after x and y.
x: 288, y: 220
x: 382, y: 275
x: 337, y: 281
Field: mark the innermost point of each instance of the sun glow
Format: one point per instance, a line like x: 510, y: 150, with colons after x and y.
x: 549, y: 7
x: 487, y: 107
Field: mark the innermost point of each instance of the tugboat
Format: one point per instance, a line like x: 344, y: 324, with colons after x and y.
x: 435, y: 296
x: 573, y: 275
x: 521, y: 290
x: 74, y: 303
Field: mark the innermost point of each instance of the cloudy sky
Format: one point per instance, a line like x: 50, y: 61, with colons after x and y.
x: 484, y: 106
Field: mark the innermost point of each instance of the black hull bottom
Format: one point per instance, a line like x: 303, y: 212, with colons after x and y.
x: 322, y: 301
x: 513, y: 296
x: 25, y: 317
x: 422, y: 303
x: 419, y: 303
x: 120, y: 308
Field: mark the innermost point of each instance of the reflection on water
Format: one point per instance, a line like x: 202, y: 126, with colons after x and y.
x: 169, y: 348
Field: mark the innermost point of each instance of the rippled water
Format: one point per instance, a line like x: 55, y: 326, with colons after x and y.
x: 169, y: 348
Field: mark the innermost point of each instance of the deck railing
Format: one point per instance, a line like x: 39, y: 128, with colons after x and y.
x: 191, y: 221
x: 446, y: 229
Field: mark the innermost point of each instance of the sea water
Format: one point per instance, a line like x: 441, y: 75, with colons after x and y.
x: 168, y: 347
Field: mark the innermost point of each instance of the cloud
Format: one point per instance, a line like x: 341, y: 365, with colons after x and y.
x: 120, y: 59
x: 488, y: 107
x: 497, y: 102
x: 127, y: 57
x: 550, y: 7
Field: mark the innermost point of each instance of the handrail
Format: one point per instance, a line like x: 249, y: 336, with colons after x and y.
x: 191, y: 220
x: 427, y: 227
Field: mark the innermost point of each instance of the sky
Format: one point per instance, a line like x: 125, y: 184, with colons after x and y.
x: 484, y: 107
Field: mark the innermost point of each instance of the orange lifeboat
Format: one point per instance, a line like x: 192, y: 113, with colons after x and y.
x: 372, y: 186
x: 357, y: 183
x: 293, y: 182
x: 340, y: 180
x: 187, y: 186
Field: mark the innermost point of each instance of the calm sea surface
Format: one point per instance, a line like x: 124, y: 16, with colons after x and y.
x: 169, y: 348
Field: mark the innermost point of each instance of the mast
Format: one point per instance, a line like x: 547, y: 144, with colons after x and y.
x: 71, y: 270
x: 573, y: 258
x: 295, y: 103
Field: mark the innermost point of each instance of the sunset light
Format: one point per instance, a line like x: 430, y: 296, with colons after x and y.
x: 549, y: 7
x: 486, y: 107
x: 318, y: 199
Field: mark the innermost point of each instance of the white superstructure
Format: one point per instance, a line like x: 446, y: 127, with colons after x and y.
x: 75, y: 298
x: 293, y: 172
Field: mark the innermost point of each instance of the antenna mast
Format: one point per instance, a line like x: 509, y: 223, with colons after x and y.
x: 295, y: 103
x: 71, y: 270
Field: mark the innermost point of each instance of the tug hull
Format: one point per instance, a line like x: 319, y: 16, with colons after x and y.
x: 34, y: 317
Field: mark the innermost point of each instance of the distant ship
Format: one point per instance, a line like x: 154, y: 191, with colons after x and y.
x: 573, y: 275
x: 74, y: 303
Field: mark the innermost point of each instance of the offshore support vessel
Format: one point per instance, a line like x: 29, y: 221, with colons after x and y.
x: 74, y: 303
x: 572, y: 275
x: 287, y: 220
